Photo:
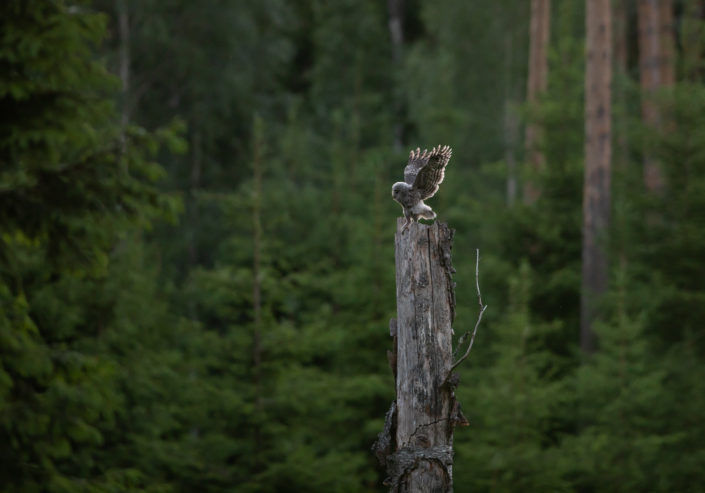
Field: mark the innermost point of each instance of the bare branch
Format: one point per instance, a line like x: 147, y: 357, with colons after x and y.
x: 479, y: 317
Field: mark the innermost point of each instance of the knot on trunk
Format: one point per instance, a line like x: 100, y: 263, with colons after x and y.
x: 406, y: 459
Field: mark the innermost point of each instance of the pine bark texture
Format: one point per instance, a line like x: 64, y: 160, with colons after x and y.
x: 417, y: 443
x: 537, y: 84
x: 598, y: 156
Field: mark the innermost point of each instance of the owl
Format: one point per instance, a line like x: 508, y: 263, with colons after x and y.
x: 422, y: 176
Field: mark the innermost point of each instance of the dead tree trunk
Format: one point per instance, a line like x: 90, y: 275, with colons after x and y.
x: 417, y: 443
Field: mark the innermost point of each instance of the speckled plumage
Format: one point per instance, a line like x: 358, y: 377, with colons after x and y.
x: 423, y: 175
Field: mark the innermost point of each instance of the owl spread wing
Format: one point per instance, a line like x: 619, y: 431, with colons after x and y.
x: 425, y: 170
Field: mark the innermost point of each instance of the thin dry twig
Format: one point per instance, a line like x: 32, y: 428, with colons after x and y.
x: 479, y: 317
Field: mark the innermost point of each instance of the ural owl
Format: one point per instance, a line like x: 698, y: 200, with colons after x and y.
x: 422, y: 176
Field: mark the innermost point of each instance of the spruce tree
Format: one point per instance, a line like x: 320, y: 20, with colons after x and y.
x: 69, y: 195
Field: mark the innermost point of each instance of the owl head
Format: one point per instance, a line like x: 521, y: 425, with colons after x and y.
x: 399, y: 188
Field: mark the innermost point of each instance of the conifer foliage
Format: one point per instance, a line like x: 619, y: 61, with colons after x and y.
x: 239, y: 344
x: 69, y: 198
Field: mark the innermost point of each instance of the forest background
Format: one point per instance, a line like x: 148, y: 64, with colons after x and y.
x: 196, y: 257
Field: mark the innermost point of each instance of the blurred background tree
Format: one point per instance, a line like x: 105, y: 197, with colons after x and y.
x: 218, y: 321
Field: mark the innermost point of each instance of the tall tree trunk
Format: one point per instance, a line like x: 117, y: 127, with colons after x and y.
x: 257, y: 158
x: 598, y: 150
x: 417, y: 442
x: 667, y: 41
x: 396, y: 34
x: 396, y: 31
x: 691, y: 39
x: 536, y: 85
x: 620, y: 35
x: 194, y: 184
x: 656, y: 70
x: 511, y: 121
x: 124, y: 56
x: 622, y: 75
x: 123, y: 21
x: 621, y: 159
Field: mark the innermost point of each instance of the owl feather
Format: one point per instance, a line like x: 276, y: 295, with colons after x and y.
x: 423, y: 175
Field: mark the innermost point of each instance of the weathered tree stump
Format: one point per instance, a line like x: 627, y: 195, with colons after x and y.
x: 417, y: 443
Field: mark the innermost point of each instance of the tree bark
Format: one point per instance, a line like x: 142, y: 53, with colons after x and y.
x: 536, y: 85
x: 419, y: 426
x: 620, y: 18
x: 257, y: 164
x: 511, y: 121
x: 621, y: 158
x: 124, y: 57
x: 656, y: 70
x: 196, y: 148
x: 598, y: 155
x: 123, y: 24
x: 396, y: 35
x: 620, y: 35
x: 667, y: 42
x: 396, y: 28
x: 690, y: 39
x: 257, y: 158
